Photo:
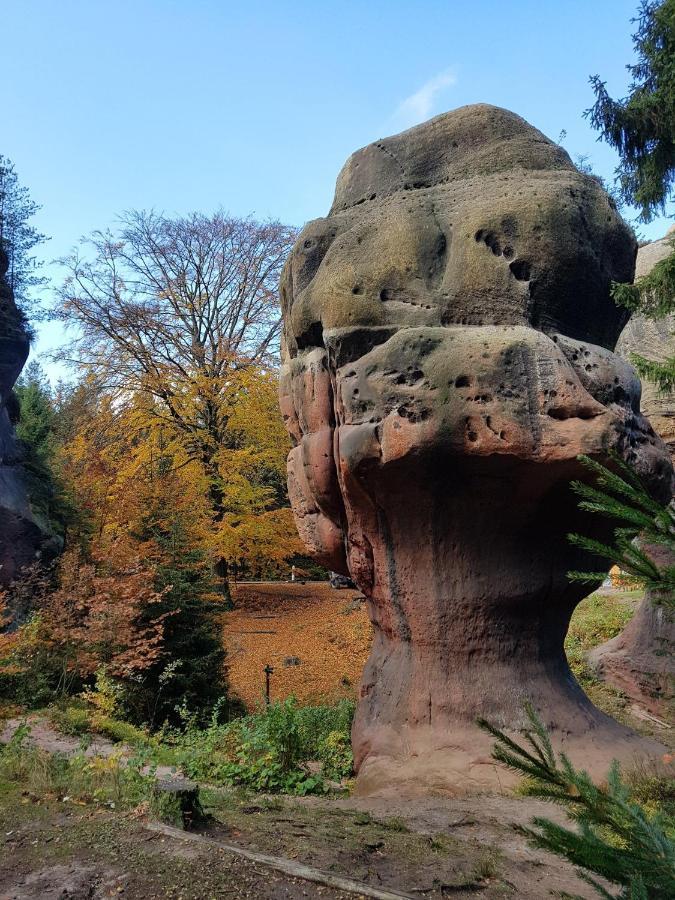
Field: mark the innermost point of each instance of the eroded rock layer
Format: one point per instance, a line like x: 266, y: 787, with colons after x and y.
x: 448, y: 336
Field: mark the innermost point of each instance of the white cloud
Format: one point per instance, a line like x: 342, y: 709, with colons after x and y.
x: 420, y: 105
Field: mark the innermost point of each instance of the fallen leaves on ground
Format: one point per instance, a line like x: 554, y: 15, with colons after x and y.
x: 327, y: 630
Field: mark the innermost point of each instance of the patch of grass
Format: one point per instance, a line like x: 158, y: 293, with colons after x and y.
x: 487, y: 865
x: 394, y: 823
x: 652, y: 788
x: 363, y: 818
x: 597, y: 619
x: 78, y: 719
x: 111, y: 780
x: 441, y: 843
x: 70, y: 719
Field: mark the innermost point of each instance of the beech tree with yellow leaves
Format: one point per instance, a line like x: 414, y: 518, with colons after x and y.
x: 177, y: 321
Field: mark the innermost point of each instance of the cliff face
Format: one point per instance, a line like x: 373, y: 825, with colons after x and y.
x: 656, y: 341
x: 21, y: 538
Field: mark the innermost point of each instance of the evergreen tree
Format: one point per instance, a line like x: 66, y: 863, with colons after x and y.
x: 17, y: 237
x: 191, y: 673
x: 36, y: 430
x: 624, y: 499
x: 616, y: 838
x: 641, y: 127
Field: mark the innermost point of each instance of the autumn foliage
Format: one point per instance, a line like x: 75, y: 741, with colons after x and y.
x: 166, y: 458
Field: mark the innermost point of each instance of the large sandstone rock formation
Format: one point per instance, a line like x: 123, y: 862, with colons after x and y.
x: 21, y: 537
x: 640, y: 660
x: 448, y: 338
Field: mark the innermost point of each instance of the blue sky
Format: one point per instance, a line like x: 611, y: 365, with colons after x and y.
x: 254, y: 106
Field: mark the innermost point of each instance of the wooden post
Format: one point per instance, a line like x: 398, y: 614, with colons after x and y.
x: 268, y: 671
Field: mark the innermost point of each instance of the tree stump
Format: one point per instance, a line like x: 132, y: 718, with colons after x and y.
x: 175, y: 801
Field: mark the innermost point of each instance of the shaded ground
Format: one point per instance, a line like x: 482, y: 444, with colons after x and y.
x: 327, y: 630
x: 54, y: 848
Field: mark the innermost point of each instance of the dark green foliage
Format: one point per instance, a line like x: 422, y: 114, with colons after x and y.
x: 17, y: 237
x: 615, y: 838
x: 662, y: 374
x: 653, y: 295
x: 191, y: 672
x: 641, y: 127
x: 622, y: 497
x: 36, y: 430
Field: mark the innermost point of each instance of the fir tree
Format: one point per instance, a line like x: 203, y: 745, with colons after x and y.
x: 17, y: 237
x: 623, y: 498
x: 615, y: 837
x: 641, y: 127
x: 36, y: 430
x: 191, y: 673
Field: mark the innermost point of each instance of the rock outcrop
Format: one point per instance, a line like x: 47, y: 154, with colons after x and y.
x: 640, y: 660
x: 21, y: 537
x: 654, y: 340
x: 448, y: 336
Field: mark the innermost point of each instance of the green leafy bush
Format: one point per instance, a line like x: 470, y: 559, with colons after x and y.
x: 271, y: 750
x: 73, y: 720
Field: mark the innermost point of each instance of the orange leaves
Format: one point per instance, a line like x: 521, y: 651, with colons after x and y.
x: 101, y: 614
x: 326, y: 629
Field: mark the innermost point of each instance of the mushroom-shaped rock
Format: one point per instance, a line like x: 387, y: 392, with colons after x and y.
x: 447, y: 355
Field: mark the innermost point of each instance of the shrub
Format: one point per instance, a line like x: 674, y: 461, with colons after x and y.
x: 270, y: 750
x: 73, y: 720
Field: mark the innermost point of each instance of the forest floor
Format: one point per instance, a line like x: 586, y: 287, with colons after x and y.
x: 316, y: 638
x: 52, y: 845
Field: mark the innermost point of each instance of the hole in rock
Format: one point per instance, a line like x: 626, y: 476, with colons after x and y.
x: 520, y: 269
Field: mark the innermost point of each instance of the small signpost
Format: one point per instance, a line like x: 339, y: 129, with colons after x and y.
x: 268, y: 671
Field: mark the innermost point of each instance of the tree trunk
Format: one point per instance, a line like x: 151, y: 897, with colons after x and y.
x: 220, y: 570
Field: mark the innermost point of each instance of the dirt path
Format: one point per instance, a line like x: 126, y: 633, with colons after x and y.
x: 44, y: 736
x: 51, y: 850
